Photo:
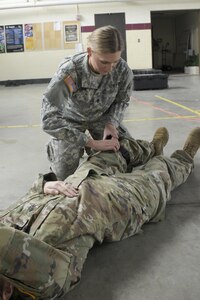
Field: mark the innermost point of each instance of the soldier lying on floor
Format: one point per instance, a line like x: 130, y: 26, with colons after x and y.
x: 45, y: 237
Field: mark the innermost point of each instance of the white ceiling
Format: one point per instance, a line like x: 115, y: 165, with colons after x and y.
x: 9, y: 4
x: 6, y: 4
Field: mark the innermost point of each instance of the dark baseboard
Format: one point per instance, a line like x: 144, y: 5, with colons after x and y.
x: 17, y: 82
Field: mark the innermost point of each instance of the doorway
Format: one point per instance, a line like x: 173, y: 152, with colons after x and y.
x: 113, y: 19
x: 175, y: 39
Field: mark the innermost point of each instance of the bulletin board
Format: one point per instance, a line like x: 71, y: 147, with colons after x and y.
x: 33, y: 37
x: 71, y: 31
x: 52, y: 35
x: 14, y: 38
x: 40, y: 36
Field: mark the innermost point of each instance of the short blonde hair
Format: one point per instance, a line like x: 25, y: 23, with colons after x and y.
x: 106, y: 39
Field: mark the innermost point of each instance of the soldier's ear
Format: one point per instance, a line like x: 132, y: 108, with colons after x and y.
x: 89, y: 51
x: 7, y: 290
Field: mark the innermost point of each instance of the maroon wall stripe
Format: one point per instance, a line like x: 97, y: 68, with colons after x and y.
x: 87, y: 28
x: 140, y: 26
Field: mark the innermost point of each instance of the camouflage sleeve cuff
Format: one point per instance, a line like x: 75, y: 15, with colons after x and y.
x: 38, y: 185
x: 83, y: 139
x: 113, y: 122
x: 50, y: 177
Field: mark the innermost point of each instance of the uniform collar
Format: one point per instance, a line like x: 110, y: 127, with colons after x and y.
x: 89, y: 79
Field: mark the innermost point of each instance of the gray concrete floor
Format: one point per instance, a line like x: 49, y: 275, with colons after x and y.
x: 162, y: 263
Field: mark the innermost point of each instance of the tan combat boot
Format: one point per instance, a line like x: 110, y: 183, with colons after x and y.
x: 192, y: 143
x: 160, y: 139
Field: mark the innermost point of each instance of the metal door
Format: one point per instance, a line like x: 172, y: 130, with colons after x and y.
x: 114, y: 19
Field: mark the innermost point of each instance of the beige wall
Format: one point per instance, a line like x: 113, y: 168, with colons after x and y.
x: 139, y: 53
x: 42, y: 64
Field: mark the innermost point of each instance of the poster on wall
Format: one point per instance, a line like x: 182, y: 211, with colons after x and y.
x: 14, y: 38
x: 71, y: 33
x: 28, y: 36
x: 2, y: 39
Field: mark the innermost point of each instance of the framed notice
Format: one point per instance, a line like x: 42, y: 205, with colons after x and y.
x: 2, y: 39
x: 14, y: 38
x: 71, y: 33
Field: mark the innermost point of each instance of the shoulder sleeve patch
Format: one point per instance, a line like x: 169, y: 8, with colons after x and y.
x: 70, y: 84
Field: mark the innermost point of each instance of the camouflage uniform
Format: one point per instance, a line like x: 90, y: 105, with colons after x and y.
x: 78, y: 101
x: 45, y: 239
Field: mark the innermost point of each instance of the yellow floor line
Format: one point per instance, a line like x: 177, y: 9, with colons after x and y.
x: 125, y: 121
x: 18, y: 126
x: 160, y: 118
x: 180, y: 105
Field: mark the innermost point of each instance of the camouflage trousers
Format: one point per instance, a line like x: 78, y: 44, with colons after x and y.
x: 62, y: 230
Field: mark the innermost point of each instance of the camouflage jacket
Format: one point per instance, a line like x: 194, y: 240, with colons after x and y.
x: 76, y: 95
x: 39, y: 229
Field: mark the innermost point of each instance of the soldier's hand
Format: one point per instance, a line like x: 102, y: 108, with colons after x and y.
x: 59, y: 187
x: 104, y: 145
x: 110, y: 130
